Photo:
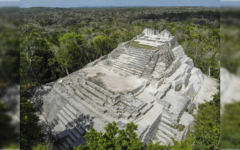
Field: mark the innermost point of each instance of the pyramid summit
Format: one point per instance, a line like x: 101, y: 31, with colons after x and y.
x: 149, y: 81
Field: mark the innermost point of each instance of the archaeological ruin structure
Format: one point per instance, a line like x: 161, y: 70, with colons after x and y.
x: 149, y: 81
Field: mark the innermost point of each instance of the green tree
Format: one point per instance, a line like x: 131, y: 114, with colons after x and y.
x: 100, y: 43
x: 68, y: 53
x: 30, y: 130
x: 44, y: 146
x: 207, y: 125
x: 126, y: 139
x: 230, y: 126
x: 7, y: 133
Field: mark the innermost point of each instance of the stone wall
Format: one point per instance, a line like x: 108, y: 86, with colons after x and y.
x: 175, y: 65
x: 151, y: 131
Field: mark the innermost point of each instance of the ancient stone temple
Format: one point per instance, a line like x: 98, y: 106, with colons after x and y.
x: 149, y: 81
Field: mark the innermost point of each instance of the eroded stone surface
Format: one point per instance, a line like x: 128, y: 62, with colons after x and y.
x: 151, y: 87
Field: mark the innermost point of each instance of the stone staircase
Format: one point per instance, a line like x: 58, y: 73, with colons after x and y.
x: 69, y: 118
x: 165, y: 131
x: 136, y: 63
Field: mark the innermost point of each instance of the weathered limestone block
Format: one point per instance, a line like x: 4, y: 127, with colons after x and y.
x: 178, y: 52
x: 136, y: 114
x: 108, y: 62
x: 164, y: 88
x: 116, y: 53
x: 165, y: 34
x: 177, y: 84
x: 190, y: 106
x: 164, y: 103
x: 159, y: 83
x: 198, y: 72
x: 142, y: 132
x: 184, y: 68
x: 173, y: 42
x: 187, y: 60
x: 121, y: 124
x: 126, y: 115
x: 185, y: 80
x: 150, y: 32
x: 151, y: 131
x: 173, y: 67
x: 190, y: 91
x: 196, y: 82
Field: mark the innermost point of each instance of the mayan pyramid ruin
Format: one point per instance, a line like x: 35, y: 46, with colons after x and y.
x: 149, y: 81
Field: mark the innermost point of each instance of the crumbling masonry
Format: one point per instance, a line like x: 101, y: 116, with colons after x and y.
x: 152, y: 87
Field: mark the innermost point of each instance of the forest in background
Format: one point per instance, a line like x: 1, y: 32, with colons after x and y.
x: 56, y: 42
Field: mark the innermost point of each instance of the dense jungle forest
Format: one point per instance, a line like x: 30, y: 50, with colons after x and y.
x: 56, y: 42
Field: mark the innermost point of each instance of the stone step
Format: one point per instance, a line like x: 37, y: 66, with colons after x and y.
x: 80, y: 130
x: 101, y: 96
x: 133, y: 59
x: 62, y: 119
x: 51, y: 126
x: 77, y: 121
x: 100, y: 89
x: 140, y: 52
x: 165, y: 115
x: 45, y: 116
x: 63, y: 134
x: 66, y: 116
x: 55, y: 122
x: 140, y: 61
x: 60, y: 147
x: 130, y: 66
x: 168, y: 139
x: 161, y: 139
x: 126, y: 70
x: 78, y: 103
x: 167, y: 127
x: 140, y: 67
x: 69, y: 141
x: 81, y: 125
x: 69, y: 107
x: 65, y: 145
x: 69, y: 113
x: 91, y: 97
x: 166, y: 131
x: 166, y: 121
x: 75, y: 133
x: 139, y: 56
x: 145, y: 110
x: 142, y: 106
x: 72, y: 137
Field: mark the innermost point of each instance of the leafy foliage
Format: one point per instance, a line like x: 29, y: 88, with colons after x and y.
x: 44, y: 146
x: 207, y: 125
x: 230, y: 126
x: 115, y: 139
x: 56, y: 42
x: 7, y: 133
x: 30, y: 130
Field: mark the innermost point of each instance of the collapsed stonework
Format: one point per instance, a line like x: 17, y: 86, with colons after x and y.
x: 154, y: 88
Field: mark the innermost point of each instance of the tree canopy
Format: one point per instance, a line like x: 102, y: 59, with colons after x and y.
x: 126, y: 139
x: 30, y: 130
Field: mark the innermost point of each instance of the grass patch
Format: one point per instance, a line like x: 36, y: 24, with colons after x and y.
x: 137, y: 45
x: 178, y: 127
x: 97, y: 81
